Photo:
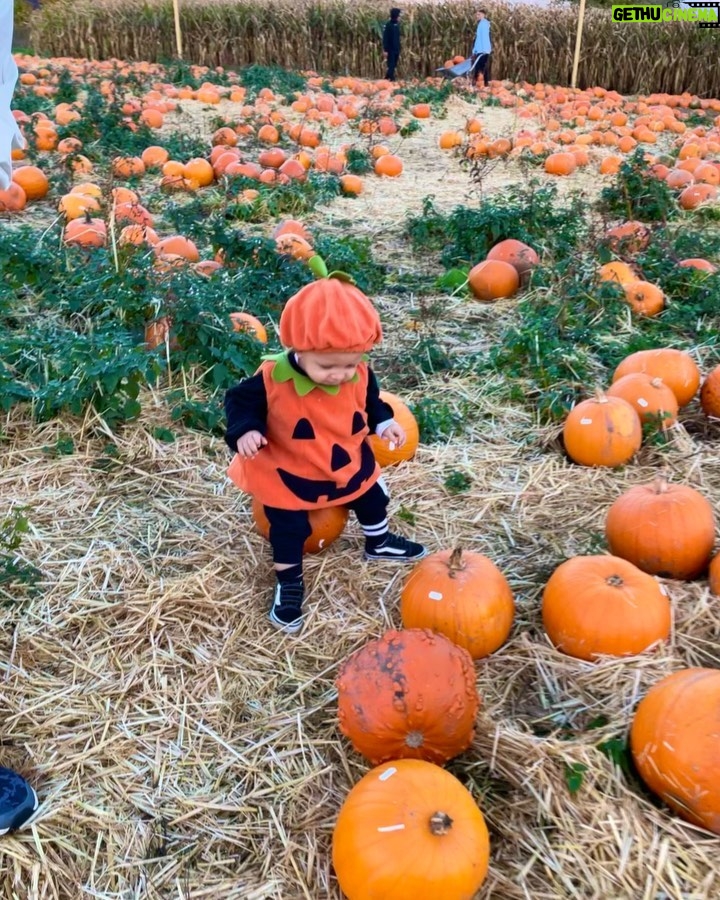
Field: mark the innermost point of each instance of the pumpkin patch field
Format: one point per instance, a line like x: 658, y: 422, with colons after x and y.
x: 532, y: 711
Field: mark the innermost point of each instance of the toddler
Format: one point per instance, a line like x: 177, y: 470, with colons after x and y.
x: 299, y: 427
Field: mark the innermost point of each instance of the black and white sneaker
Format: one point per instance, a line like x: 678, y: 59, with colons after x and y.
x: 395, y: 548
x: 18, y: 801
x: 286, y: 611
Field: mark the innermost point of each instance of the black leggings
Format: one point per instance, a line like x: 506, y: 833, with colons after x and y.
x: 392, y: 61
x: 290, y: 528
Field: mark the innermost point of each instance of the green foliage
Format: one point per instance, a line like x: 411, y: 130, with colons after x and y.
x: 16, y: 575
x: 456, y: 482
x: 437, y: 420
x: 358, y: 161
x: 525, y: 212
x: 574, y: 776
x: 618, y: 752
x: 636, y: 194
x: 281, y: 81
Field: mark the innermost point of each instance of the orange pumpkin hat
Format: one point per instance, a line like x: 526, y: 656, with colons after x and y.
x: 330, y: 315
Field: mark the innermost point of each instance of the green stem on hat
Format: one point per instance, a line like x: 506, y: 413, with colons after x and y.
x: 320, y: 270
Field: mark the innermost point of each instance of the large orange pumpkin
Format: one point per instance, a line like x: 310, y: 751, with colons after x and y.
x: 409, y: 694
x: 710, y: 394
x: 493, y: 279
x: 242, y: 321
x: 386, y: 453
x: 602, y: 431
x: 651, y: 398
x: 327, y: 525
x: 518, y: 254
x: 32, y: 180
x: 664, y: 529
x: 676, y: 368
x: 463, y: 596
x: 674, y: 743
x: 604, y: 605
x: 409, y: 829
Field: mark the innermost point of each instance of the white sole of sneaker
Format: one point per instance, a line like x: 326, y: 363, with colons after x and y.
x: 285, y: 627
x: 397, y: 559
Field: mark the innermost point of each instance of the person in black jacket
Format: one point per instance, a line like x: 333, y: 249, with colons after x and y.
x: 391, y: 42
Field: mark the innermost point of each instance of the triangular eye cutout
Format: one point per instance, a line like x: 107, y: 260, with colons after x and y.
x: 358, y: 422
x: 339, y: 458
x: 304, y: 431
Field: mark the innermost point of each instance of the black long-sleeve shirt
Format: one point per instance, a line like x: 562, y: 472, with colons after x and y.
x: 246, y: 406
x: 391, y: 38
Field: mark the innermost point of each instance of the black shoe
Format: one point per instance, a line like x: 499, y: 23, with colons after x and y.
x: 18, y: 801
x: 286, y: 611
x: 395, y: 548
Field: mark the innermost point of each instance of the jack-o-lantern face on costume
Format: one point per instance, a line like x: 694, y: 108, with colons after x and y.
x: 316, y: 453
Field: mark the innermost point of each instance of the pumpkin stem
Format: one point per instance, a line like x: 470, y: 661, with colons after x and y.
x: 600, y: 395
x: 615, y: 581
x: 661, y: 485
x: 440, y: 823
x: 414, y: 739
x: 455, y: 563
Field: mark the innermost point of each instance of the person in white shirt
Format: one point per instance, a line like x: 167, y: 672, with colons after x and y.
x: 482, y: 48
x: 10, y: 137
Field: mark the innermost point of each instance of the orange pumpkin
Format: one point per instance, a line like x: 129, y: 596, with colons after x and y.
x: 645, y: 298
x: 714, y: 575
x: 710, y: 394
x: 560, y: 164
x: 463, y: 596
x: 676, y: 368
x: 389, y: 165
x: 701, y: 265
x: 604, y: 605
x: 493, y: 279
x: 650, y: 397
x: 630, y: 237
x: 409, y: 694
x: 388, y: 454
x: 674, y: 743
x: 32, y: 180
x: 410, y: 829
x: 86, y: 232
x: 327, y: 524
x: 13, y: 199
x: 521, y: 256
x: 602, y: 431
x: 242, y: 321
x: 664, y: 529
x: 618, y: 272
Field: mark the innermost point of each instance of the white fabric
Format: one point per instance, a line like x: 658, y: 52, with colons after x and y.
x: 10, y: 137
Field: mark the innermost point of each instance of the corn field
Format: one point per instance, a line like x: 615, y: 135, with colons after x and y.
x: 328, y: 36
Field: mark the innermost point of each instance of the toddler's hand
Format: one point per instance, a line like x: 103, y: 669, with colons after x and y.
x: 394, y: 434
x: 249, y: 444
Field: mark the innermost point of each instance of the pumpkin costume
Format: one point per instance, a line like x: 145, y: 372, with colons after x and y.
x: 315, y: 454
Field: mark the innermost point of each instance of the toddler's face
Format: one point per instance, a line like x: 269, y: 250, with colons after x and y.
x: 329, y: 368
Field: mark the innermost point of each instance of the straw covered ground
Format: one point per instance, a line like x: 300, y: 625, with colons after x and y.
x: 182, y: 749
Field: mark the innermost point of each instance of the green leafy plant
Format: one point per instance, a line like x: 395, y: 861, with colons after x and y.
x: 16, y: 575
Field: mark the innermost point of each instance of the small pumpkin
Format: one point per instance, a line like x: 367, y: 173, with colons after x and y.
x: 604, y: 605
x: 409, y: 694
x: 710, y: 394
x: 464, y: 596
x: 602, y: 431
x: 675, y: 747
x: 650, y: 397
x: 644, y: 298
x: 493, y: 279
x: 629, y: 237
x: 85, y: 232
x: 677, y: 369
x: 386, y: 453
x: 242, y: 321
x: 410, y: 829
x: 664, y: 529
x: 327, y: 524
x: 714, y: 575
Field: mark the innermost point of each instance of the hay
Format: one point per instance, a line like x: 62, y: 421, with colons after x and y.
x: 183, y: 749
